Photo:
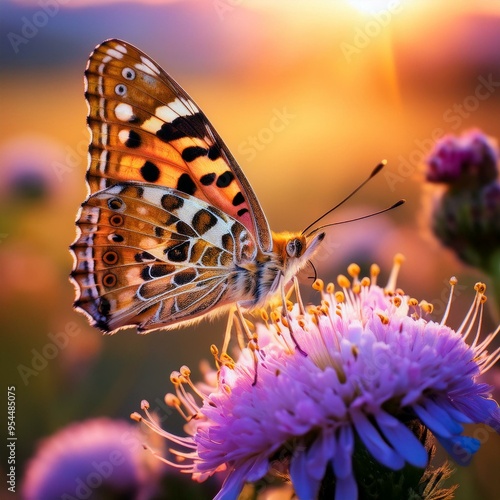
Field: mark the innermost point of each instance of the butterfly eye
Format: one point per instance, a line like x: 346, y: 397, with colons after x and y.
x: 128, y: 73
x: 120, y: 89
x: 294, y: 247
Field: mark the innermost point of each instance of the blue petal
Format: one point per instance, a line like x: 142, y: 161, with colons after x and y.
x: 346, y: 488
x: 402, y: 439
x: 461, y: 448
x: 375, y: 444
x: 305, y: 486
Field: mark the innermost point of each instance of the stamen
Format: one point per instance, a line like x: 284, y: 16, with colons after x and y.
x: 318, y: 285
x: 354, y: 270
x: 391, y: 282
x: 427, y: 307
x: 374, y: 272
x: 343, y: 281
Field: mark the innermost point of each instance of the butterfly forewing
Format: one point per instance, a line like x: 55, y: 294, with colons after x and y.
x: 145, y: 128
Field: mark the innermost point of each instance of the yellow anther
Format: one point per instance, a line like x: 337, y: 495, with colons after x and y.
x: 399, y: 258
x: 185, y: 371
x: 172, y: 400
x: 365, y: 281
x: 353, y: 270
x: 135, y: 416
x: 214, y: 350
x: 284, y: 321
x: 264, y: 316
x: 175, y: 377
x: 412, y: 302
x: 356, y: 288
x: 339, y: 297
x: 399, y: 291
x: 289, y: 305
x: 453, y: 281
x: 318, y: 285
x: 397, y: 301
x: 483, y: 299
x: 383, y: 318
x: 330, y: 288
x: 343, y: 281
x: 426, y: 306
x: 302, y: 323
x: 480, y: 287
x: 374, y: 270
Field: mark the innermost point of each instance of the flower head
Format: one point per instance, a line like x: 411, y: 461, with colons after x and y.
x: 471, y: 158
x: 359, y: 369
x: 98, y: 458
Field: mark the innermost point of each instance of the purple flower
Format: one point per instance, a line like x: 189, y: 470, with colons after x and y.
x: 470, y: 158
x: 87, y: 459
x: 372, y: 365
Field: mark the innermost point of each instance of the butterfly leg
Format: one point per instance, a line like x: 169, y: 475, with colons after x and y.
x: 286, y: 316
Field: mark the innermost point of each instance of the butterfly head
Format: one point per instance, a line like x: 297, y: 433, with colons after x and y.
x: 294, y: 250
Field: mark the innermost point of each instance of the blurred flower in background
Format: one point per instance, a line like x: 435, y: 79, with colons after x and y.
x: 466, y: 213
x: 341, y: 396
x: 99, y: 459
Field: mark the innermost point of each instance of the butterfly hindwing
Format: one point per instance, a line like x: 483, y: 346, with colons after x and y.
x: 154, y: 257
x: 145, y: 128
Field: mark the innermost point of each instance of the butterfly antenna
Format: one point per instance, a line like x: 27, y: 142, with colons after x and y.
x: 395, y: 205
x: 374, y: 172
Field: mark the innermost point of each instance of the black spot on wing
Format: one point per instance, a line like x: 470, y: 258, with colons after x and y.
x: 214, y: 152
x: 134, y: 140
x: 207, y: 179
x: 203, y: 220
x: 192, y: 152
x: 179, y: 253
x: 238, y: 199
x: 242, y: 212
x: 184, y: 277
x: 183, y: 126
x: 224, y: 179
x: 150, y: 172
x: 186, y: 184
x: 171, y: 202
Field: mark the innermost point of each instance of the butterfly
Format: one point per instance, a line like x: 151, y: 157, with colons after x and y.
x: 171, y: 230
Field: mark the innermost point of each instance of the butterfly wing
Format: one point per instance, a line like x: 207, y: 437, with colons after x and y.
x: 154, y: 257
x: 145, y: 128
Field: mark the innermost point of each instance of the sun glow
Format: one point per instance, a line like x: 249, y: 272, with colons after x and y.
x: 373, y: 6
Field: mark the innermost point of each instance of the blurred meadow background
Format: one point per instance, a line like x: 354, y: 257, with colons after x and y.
x: 309, y: 96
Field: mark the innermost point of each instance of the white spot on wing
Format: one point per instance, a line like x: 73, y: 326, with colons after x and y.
x: 123, y: 136
x: 150, y: 65
x: 121, y: 48
x: 114, y: 53
x: 124, y: 112
x: 152, y: 125
x: 103, y: 160
x: 179, y: 107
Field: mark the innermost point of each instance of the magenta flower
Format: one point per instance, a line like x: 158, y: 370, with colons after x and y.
x: 373, y: 366
x: 471, y: 157
x: 98, y: 458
